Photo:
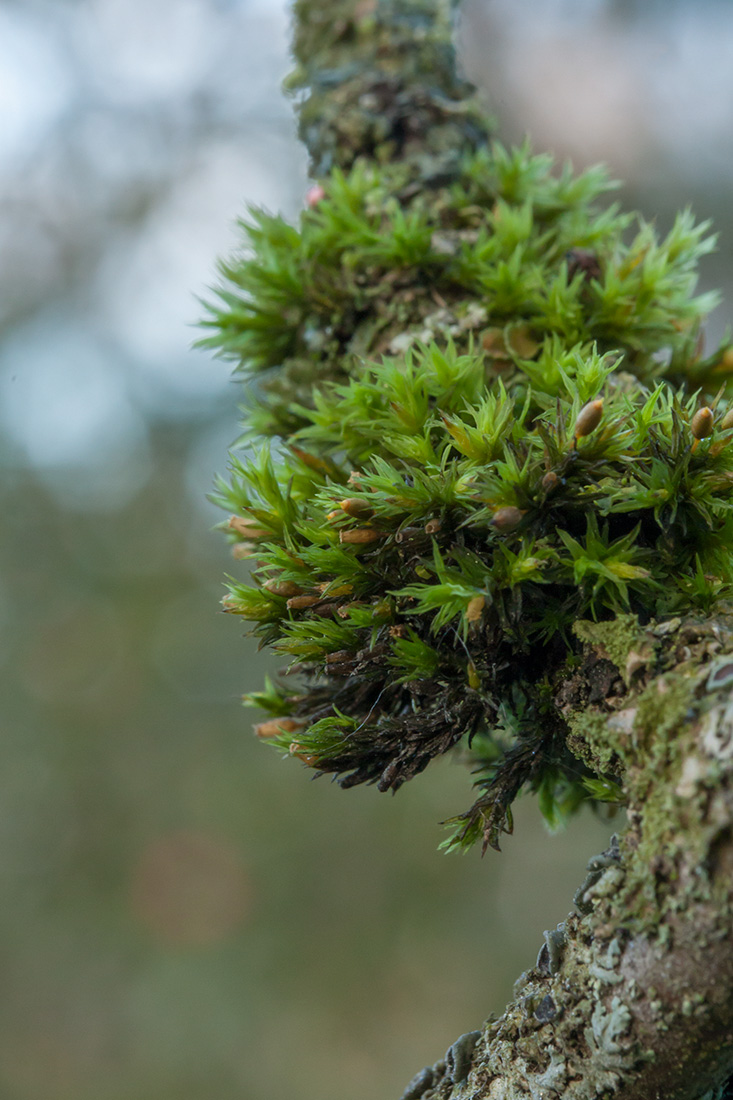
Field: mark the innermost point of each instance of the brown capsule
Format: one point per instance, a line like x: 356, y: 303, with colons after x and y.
x: 359, y: 509
x: 275, y: 726
x: 492, y: 340
x: 521, y: 342
x: 409, y: 535
x: 550, y: 481
x: 339, y: 656
x: 360, y: 535
x: 282, y: 588
x: 313, y: 462
x: 343, y: 609
x: 433, y: 526
x: 701, y: 424
x: 475, y: 608
x: 506, y: 519
x: 326, y: 589
x: 325, y: 609
x: 248, y: 528
x: 589, y: 418
x: 727, y: 421
x: 242, y: 550
x: 297, y: 603
x: 308, y: 758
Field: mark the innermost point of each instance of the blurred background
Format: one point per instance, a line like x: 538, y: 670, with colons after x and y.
x: 185, y: 916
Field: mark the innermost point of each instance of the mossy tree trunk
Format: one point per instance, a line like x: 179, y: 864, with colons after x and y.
x: 632, y: 996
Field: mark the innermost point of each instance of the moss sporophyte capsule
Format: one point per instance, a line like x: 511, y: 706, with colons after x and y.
x: 506, y: 519
x: 247, y: 528
x: 359, y: 509
x: 360, y: 535
x: 589, y: 418
x: 701, y: 424
x: 276, y: 727
x: 283, y: 588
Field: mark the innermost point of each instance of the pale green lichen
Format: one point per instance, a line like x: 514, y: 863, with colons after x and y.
x: 589, y: 740
x: 616, y: 636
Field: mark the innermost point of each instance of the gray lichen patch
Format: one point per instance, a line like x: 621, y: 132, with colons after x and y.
x: 608, y: 1025
x: 549, y: 959
x: 598, y: 867
x: 721, y: 673
x: 589, y: 740
x: 716, y: 733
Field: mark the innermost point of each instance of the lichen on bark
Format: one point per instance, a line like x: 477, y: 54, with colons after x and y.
x: 378, y: 79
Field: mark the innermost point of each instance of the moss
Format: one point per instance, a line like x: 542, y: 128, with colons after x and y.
x: 499, y: 450
x: 496, y: 436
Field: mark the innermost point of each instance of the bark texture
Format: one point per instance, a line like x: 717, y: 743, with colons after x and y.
x: 379, y: 79
x: 632, y: 996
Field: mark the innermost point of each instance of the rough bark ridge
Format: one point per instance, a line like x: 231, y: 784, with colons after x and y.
x: 633, y: 997
x: 444, y: 524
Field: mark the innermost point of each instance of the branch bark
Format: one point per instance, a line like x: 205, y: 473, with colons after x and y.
x: 378, y: 79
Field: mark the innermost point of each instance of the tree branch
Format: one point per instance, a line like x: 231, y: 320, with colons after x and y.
x: 639, y: 1000
x: 633, y: 995
x: 430, y: 593
x: 378, y: 79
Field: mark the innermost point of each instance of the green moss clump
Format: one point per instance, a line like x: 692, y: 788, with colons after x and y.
x: 486, y: 397
x: 507, y: 258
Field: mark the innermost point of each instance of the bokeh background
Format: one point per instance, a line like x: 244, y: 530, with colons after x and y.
x: 184, y: 915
